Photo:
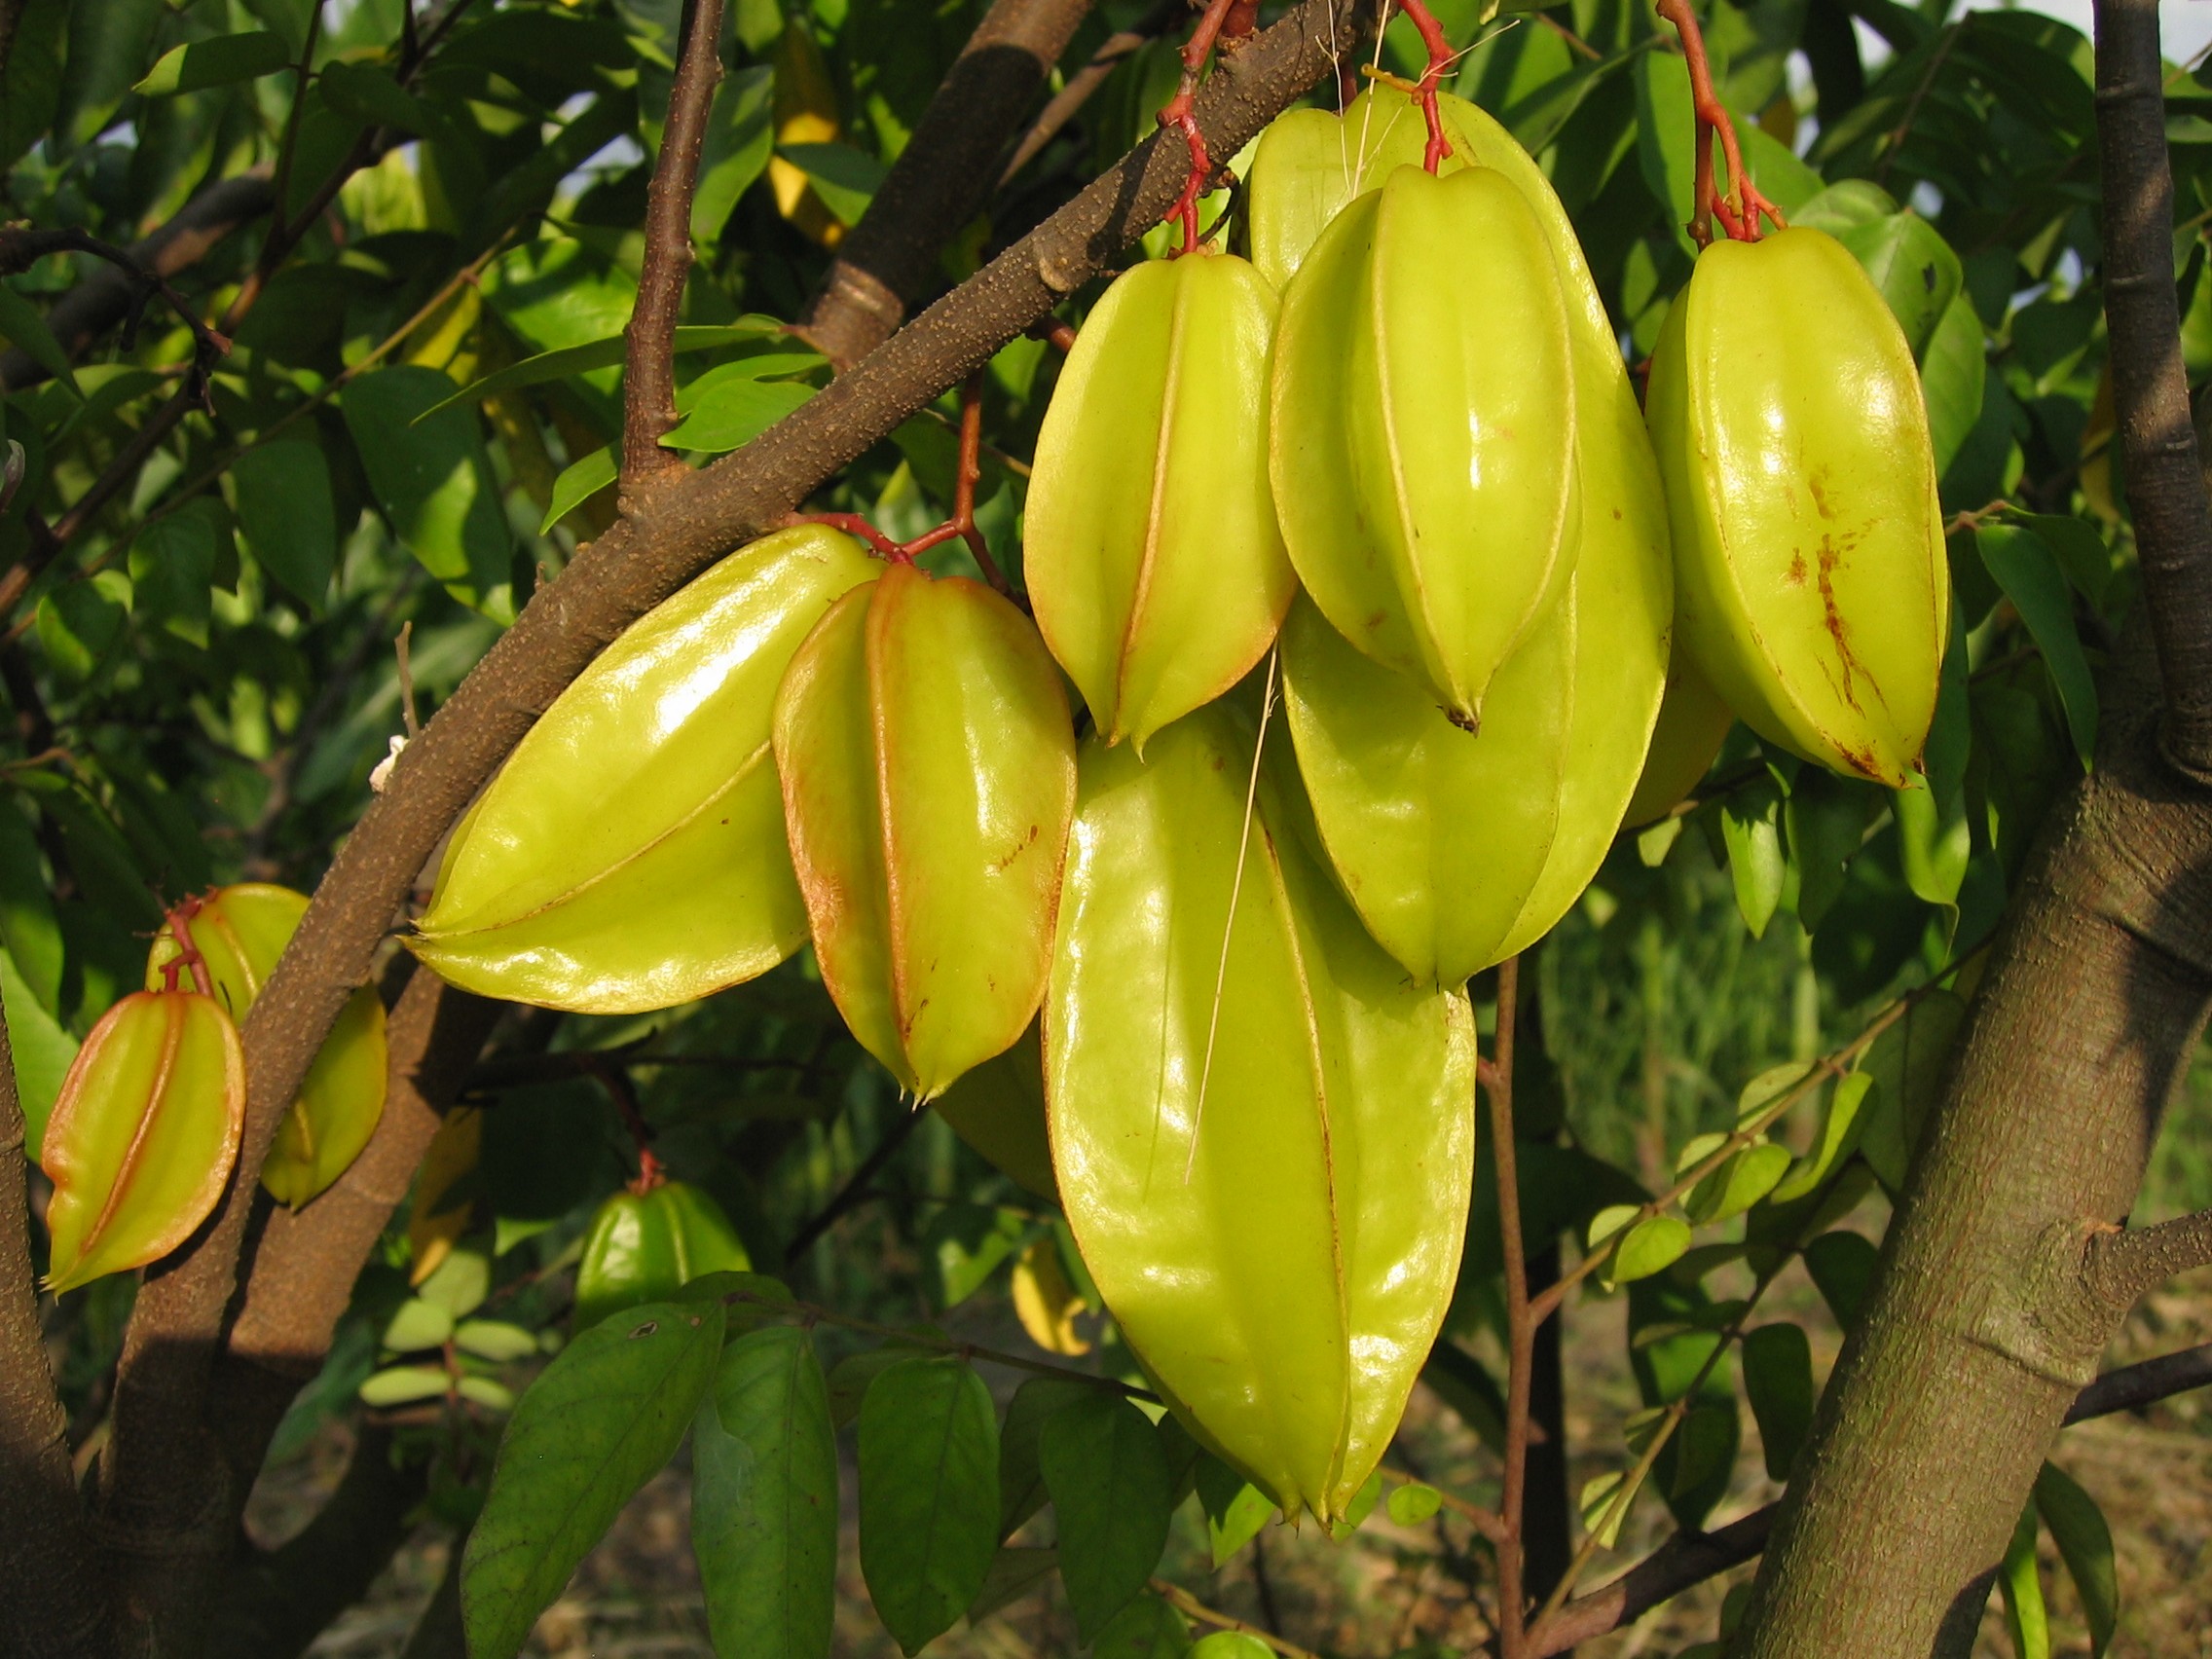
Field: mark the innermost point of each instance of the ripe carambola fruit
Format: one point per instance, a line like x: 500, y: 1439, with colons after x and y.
x: 1153, y: 562
x: 1305, y: 167
x: 1487, y: 854
x: 1693, y: 723
x: 1422, y: 418
x: 630, y: 855
x: 928, y: 767
x: 239, y: 932
x: 143, y: 1134
x: 1283, y: 1285
x: 1787, y: 414
x: 646, y: 1246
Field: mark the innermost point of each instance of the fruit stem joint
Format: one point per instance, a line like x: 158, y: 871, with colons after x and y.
x: 1224, y: 20
x: 1739, y: 206
x: 186, y: 955
x: 1425, y: 95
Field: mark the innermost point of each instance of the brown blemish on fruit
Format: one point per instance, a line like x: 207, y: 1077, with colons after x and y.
x: 1020, y: 847
x: 1796, y: 572
x: 1820, y: 496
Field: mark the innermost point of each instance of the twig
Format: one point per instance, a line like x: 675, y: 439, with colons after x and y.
x: 1176, y: 1596
x: 1892, y: 142
x: 1691, y: 1558
x: 2165, y: 481
x: 855, y: 1186
x: 1496, y: 1079
x: 648, y: 378
x: 815, y: 1313
x: 19, y: 249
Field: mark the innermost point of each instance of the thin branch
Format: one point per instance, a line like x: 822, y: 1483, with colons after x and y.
x: 648, y: 380
x: 22, y: 248
x: 2127, y: 1264
x: 856, y: 1188
x: 941, y: 179
x: 1520, y: 1324
x: 1112, y: 52
x: 2165, y: 481
x: 1178, y: 1596
x: 672, y: 534
x: 1689, y: 1559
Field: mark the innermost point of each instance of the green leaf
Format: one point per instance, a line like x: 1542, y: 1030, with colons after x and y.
x: 43, y: 1052
x: 740, y: 138
x: 1843, y: 1119
x: 219, y: 62
x: 1666, y: 142
x: 966, y: 1245
x: 434, y: 482
x: 1841, y: 1266
x: 29, y: 929
x: 2029, y: 572
x: 1230, y: 1645
x: 1907, y: 1063
x: 1235, y: 1509
x: 30, y: 89
x: 1652, y: 1245
x: 1110, y: 1492
x: 1737, y: 1185
x: 578, y: 484
x: 929, y: 1495
x: 1412, y: 1503
x: 373, y: 96
x: 599, y: 1424
x: 1778, y: 1378
x: 2085, y: 1544
x: 1015, y: 1571
x: 1022, y: 1477
x: 1825, y: 816
x: 568, y: 361
x: 1148, y: 1628
x: 2026, y: 1619
x: 172, y: 574
x: 764, y: 1499
x: 1934, y: 836
x: 403, y: 1385
x: 2079, y: 548
x: 734, y: 413
x: 1751, y: 826
x: 419, y: 1324
x: 461, y: 1283
x: 494, y: 1340
x: 846, y: 180
x: 281, y: 493
x: 1953, y: 376
x: 21, y: 326
x: 1915, y: 270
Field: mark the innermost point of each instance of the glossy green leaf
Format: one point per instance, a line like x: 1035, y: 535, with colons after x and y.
x: 1778, y: 1380
x: 1934, y: 836
x: 764, y: 1499
x: 419, y: 1324
x: 24, y: 328
x: 2028, y: 571
x: 1022, y: 1474
x: 281, y: 492
x: 1907, y: 1063
x: 929, y: 1495
x: 434, y: 482
x: 740, y: 139
x: 1914, y: 270
x: 1826, y: 820
x: 595, y: 1427
x: 1953, y: 377
x: 1148, y: 1628
x: 403, y: 1385
x: 1412, y: 1503
x: 79, y: 622
x: 108, y: 49
x: 2027, y: 1621
x: 1737, y: 1185
x: 172, y: 572
x: 998, y: 1109
x: 1017, y: 1571
x: 1282, y: 1254
x: 1235, y: 1509
x: 547, y: 896
x: 928, y: 770
x: 1150, y: 544
x: 216, y: 62
x: 460, y: 1283
x: 577, y: 484
x: 845, y: 177
x: 1843, y: 1119
x: 647, y: 1247
x: 43, y: 1052
x: 1652, y: 1245
x: 1751, y: 826
x: 1110, y: 1492
x: 494, y: 1340
x: 1842, y: 1267
x: 568, y: 361
x: 30, y: 931
x: 2079, y: 1529
x: 1230, y: 1645
x: 733, y: 413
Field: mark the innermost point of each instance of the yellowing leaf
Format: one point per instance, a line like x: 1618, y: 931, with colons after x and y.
x: 1046, y: 1303
x: 438, y: 1222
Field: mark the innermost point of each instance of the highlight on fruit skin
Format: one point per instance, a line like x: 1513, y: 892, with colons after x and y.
x: 646, y: 1246
x: 1154, y: 563
x: 928, y: 767
x: 1422, y: 428
x: 1812, y: 588
x: 239, y: 931
x: 143, y: 1134
x: 630, y: 856
x: 1269, y: 1187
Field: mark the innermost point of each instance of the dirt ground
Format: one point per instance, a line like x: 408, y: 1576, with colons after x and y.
x: 1384, y: 1592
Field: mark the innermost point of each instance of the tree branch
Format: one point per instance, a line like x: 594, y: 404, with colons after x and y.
x: 1691, y: 1558
x: 2127, y: 1263
x: 1520, y: 1323
x: 47, y: 1581
x: 942, y: 177
x: 1115, y: 49
x: 2165, y: 481
x: 22, y: 248
x: 672, y: 534
x: 648, y: 381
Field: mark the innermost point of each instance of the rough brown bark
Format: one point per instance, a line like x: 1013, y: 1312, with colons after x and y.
x: 153, y: 1479
x: 48, y: 1590
x: 942, y: 178
x: 2003, y: 1276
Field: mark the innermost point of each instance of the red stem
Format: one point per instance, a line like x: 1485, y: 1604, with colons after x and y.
x: 1425, y: 95
x: 1496, y: 1077
x: 187, y: 953
x: 1741, y: 206
x: 1177, y: 112
x: 651, y: 1172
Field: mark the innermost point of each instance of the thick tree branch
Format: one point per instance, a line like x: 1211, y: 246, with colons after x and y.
x: 2165, y: 481
x: 22, y: 248
x: 2127, y: 1265
x: 942, y: 178
x: 648, y: 381
x: 675, y: 532
x: 51, y: 1599
x: 1691, y: 1558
